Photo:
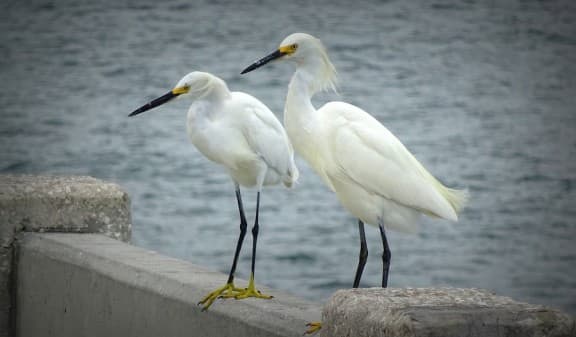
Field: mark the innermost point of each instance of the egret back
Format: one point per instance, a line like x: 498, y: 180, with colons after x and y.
x: 240, y: 133
x: 267, y: 138
x: 367, y: 153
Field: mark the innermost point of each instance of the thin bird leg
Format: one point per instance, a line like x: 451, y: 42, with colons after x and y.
x: 386, y: 256
x: 243, y: 228
x: 363, y: 255
x: 229, y: 289
x: 255, y: 230
x: 251, y: 291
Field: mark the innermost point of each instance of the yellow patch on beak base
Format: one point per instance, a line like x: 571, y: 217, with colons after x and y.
x: 289, y: 49
x: 180, y: 90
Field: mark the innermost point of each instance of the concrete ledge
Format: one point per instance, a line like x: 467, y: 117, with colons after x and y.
x: 60, y: 204
x: 446, y: 312
x: 90, y: 285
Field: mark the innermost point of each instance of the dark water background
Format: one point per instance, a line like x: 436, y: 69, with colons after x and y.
x: 483, y: 92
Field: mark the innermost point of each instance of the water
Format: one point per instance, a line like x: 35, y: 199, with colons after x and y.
x: 482, y: 92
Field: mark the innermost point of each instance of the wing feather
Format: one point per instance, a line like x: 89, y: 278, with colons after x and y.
x: 369, y: 154
x: 267, y: 138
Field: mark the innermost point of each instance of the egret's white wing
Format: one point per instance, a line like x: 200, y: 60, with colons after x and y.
x: 267, y: 138
x: 370, y: 155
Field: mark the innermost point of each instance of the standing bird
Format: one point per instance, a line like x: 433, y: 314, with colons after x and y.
x: 373, y: 175
x: 239, y: 132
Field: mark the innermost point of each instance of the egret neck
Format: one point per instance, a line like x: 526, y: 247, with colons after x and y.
x: 207, y: 100
x: 300, y: 117
x: 212, y: 89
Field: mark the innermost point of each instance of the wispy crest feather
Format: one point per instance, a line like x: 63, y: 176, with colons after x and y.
x: 328, y: 79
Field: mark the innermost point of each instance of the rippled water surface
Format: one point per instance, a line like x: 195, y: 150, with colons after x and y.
x: 483, y: 92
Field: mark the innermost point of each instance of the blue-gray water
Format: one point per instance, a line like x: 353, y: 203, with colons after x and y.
x: 483, y: 92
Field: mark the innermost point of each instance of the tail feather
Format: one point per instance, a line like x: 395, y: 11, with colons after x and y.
x: 456, y: 198
x: 291, y: 176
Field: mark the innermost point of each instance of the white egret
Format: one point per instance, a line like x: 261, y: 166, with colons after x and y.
x: 373, y: 175
x: 240, y: 133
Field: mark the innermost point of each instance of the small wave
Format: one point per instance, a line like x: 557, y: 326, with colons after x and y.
x: 17, y: 167
x: 297, y: 257
x: 534, y: 178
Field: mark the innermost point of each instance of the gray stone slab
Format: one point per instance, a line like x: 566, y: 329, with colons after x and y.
x: 445, y: 312
x: 60, y: 204
x: 63, y: 204
x: 89, y: 285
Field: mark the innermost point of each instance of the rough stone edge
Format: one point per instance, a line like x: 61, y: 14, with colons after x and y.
x: 399, y: 323
x: 61, y: 196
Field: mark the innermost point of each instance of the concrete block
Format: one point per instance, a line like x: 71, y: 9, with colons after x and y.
x: 442, y: 312
x: 53, y: 203
x: 89, y: 285
x: 63, y: 204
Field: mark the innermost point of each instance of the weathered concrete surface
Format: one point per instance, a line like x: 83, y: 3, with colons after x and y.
x: 442, y: 312
x: 63, y: 204
x: 89, y: 285
x: 52, y: 203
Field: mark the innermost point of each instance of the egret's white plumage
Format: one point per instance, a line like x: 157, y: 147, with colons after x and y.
x: 372, y: 173
x: 374, y: 176
x: 237, y: 131
x: 241, y: 134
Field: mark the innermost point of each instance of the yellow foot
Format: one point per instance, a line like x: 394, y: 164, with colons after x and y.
x: 228, y: 290
x: 313, y: 327
x: 251, y: 291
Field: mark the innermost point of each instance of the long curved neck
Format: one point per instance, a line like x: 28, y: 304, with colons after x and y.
x: 300, y: 118
x: 299, y: 97
x: 207, y: 87
x: 314, y: 73
x: 206, y: 97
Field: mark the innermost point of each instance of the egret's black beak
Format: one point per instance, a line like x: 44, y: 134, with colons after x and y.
x: 160, y: 100
x: 154, y: 103
x: 276, y: 54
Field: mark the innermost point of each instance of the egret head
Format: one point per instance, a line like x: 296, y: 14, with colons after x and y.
x: 307, y: 52
x: 195, y: 85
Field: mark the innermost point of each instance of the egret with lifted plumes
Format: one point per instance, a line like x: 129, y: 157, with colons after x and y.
x: 372, y: 173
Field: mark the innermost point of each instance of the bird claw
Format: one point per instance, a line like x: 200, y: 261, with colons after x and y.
x: 228, y: 290
x: 251, y: 292
x: 313, y: 328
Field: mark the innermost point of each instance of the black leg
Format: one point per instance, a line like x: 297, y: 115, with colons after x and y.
x: 243, y: 227
x: 255, y: 233
x: 363, y: 254
x: 386, y: 256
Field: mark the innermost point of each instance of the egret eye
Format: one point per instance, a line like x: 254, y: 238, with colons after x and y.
x: 294, y: 47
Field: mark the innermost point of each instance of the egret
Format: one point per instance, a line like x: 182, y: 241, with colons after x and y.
x: 241, y: 134
x: 371, y: 172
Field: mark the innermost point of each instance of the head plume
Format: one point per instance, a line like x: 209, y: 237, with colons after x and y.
x: 311, y: 55
x: 328, y: 75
